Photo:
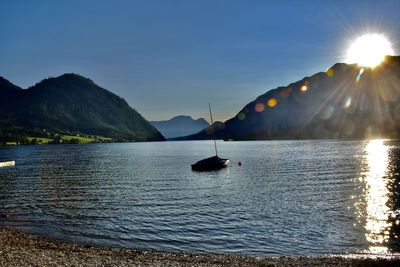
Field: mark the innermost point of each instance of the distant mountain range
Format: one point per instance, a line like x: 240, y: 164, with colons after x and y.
x: 71, y: 104
x: 346, y: 102
x: 180, y: 126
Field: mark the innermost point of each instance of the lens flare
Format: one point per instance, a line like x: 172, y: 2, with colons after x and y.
x: 241, y: 116
x: 272, y: 102
x: 330, y: 72
x: 259, y: 107
x: 304, y: 88
x: 285, y: 93
x: 347, y: 103
x: 358, y: 78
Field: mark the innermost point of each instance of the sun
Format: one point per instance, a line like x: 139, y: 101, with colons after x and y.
x: 369, y: 50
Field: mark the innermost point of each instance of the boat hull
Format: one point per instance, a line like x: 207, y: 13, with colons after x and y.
x: 210, y: 164
x: 7, y: 164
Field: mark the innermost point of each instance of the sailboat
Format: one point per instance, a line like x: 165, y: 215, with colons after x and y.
x: 212, y: 163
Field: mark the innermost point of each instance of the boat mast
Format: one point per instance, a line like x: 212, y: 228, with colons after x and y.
x: 212, y: 123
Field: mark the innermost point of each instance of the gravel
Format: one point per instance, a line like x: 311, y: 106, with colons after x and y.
x: 19, y: 249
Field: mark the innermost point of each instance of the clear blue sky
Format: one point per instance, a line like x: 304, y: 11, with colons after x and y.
x: 173, y: 57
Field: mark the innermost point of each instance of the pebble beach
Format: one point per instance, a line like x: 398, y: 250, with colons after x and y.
x: 19, y: 249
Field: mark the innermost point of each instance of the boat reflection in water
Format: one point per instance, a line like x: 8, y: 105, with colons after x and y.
x: 380, y: 209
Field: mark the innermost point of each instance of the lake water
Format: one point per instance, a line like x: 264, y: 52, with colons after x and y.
x: 287, y: 198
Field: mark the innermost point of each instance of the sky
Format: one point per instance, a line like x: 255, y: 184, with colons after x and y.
x: 168, y: 58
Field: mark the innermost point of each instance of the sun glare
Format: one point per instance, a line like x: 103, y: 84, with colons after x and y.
x: 369, y: 50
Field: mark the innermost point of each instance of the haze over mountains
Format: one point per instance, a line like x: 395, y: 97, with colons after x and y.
x: 180, y: 126
x: 71, y: 104
x: 346, y: 102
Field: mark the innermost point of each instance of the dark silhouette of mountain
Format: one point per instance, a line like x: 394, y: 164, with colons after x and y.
x: 205, y: 133
x: 345, y: 102
x: 71, y: 104
x: 8, y: 95
x: 180, y: 126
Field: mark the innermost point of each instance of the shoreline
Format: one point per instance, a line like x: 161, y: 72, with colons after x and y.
x: 20, y: 249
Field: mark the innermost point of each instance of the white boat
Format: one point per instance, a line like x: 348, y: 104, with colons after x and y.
x: 7, y: 163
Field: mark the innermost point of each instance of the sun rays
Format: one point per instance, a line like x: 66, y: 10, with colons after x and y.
x: 369, y: 50
x: 338, y: 100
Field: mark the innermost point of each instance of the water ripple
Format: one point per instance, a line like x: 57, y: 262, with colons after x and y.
x: 288, y: 197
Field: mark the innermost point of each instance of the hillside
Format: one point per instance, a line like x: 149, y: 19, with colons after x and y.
x: 345, y: 102
x: 180, y: 126
x: 71, y: 104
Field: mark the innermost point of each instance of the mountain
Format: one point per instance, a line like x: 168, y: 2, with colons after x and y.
x: 205, y: 133
x: 345, y: 102
x: 71, y: 104
x: 180, y: 126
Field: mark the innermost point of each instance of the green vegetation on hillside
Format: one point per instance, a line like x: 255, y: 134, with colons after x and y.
x: 18, y: 139
x: 70, y: 105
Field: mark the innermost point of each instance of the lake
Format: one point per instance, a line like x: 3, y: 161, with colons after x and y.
x: 287, y: 197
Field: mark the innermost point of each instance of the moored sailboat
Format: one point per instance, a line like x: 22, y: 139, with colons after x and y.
x: 211, y: 163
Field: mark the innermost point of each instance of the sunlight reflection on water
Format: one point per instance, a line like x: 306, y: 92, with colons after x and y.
x: 287, y: 198
x: 376, y: 196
